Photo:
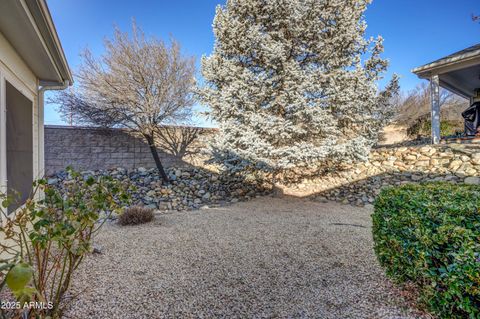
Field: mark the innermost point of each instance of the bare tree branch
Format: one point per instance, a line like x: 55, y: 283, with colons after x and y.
x: 416, y: 104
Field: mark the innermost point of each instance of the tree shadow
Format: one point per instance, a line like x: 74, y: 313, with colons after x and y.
x: 99, y: 148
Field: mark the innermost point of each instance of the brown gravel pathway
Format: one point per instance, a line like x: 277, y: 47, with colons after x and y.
x: 267, y: 258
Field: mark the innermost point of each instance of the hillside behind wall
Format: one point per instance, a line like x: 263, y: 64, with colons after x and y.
x: 93, y: 149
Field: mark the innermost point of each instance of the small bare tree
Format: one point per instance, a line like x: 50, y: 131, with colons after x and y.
x: 139, y: 83
x: 414, y: 111
x: 416, y: 104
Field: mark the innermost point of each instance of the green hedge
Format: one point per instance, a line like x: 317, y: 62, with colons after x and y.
x: 429, y: 234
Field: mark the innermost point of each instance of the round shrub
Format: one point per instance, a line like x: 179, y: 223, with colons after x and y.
x: 136, y: 215
x: 429, y: 234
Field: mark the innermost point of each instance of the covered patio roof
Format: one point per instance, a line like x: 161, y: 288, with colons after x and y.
x: 458, y: 72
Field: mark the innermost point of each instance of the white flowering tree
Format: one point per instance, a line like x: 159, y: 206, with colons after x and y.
x: 293, y: 83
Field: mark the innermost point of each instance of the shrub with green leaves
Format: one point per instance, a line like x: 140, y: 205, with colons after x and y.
x: 429, y: 234
x: 422, y: 127
x: 45, y: 241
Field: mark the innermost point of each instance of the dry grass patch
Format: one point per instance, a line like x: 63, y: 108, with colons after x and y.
x: 136, y: 215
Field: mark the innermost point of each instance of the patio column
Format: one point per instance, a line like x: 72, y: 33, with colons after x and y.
x: 435, y: 112
x: 3, y: 137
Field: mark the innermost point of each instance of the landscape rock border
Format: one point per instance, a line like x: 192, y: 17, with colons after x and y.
x: 356, y: 184
x: 190, y: 187
x: 359, y: 184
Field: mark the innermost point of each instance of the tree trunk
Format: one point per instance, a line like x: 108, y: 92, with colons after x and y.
x: 153, y: 149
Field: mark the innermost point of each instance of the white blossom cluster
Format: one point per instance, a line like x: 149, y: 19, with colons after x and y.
x: 293, y: 83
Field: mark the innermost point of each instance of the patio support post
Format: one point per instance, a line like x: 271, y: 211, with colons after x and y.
x: 435, y: 113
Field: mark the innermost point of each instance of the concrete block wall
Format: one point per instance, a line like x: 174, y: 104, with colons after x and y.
x: 93, y: 149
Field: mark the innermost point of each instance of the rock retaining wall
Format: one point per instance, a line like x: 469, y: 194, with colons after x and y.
x: 93, y: 149
x: 458, y: 160
x: 360, y: 183
x: 189, y: 187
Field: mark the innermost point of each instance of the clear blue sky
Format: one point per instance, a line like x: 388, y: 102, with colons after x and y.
x: 415, y: 31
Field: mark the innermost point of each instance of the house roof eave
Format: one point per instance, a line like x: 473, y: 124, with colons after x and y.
x: 28, y: 26
x: 48, y: 32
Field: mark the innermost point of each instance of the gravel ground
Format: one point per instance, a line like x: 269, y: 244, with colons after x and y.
x: 270, y: 257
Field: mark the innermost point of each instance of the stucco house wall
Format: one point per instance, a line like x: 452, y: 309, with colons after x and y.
x: 32, y: 61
